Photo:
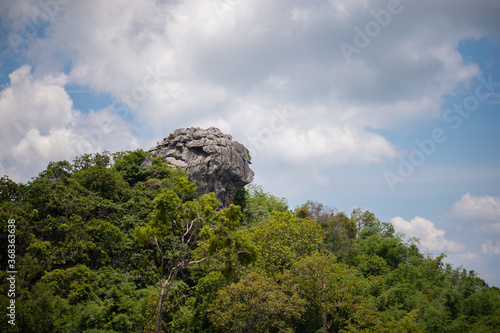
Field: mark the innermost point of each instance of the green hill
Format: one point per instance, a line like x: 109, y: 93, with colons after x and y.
x: 100, y: 243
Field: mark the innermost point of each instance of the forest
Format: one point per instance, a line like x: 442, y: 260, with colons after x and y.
x: 102, y: 245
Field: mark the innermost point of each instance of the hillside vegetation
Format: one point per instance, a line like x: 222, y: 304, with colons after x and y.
x: 104, y: 246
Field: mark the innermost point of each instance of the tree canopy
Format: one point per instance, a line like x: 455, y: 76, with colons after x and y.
x: 103, y: 245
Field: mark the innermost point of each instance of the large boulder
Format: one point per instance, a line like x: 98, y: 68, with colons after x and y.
x: 210, y: 157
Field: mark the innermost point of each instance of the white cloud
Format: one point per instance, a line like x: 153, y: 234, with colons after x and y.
x: 39, y: 125
x: 490, y: 248
x: 472, y: 207
x: 212, y: 63
x: 431, y: 238
x: 329, y: 145
x: 13, y: 10
x: 467, y: 256
x: 265, y: 53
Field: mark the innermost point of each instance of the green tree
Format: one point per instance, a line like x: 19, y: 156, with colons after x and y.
x: 77, y: 283
x: 363, y: 219
x: 179, y: 225
x: 333, y: 288
x: 379, y: 238
x: 102, y: 181
x: 340, y: 231
x: 9, y: 190
x: 258, y: 205
x: 193, y: 315
x: 255, y: 304
x: 86, y: 161
x: 128, y: 165
x: 407, y: 324
x: 284, y: 239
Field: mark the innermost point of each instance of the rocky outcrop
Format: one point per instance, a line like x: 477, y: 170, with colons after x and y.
x: 210, y: 157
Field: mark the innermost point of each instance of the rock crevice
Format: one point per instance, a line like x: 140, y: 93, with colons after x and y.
x: 210, y: 157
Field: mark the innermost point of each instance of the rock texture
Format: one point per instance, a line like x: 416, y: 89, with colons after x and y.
x: 210, y: 157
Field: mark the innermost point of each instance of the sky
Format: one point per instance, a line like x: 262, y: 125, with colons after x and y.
x: 391, y: 106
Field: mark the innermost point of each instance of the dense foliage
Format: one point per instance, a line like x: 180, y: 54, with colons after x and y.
x: 105, y: 246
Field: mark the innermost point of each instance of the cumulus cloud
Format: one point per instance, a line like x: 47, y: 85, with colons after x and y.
x: 473, y: 207
x: 39, y: 125
x: 288, y: 133
x: 185, y: 63
x: 179, y: 63
x: 330, y: 145
x: 431, y: 238
x: 467, y: 256
x: 491, y: 248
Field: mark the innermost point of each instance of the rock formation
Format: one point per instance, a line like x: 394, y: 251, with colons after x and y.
x: 210, y: 157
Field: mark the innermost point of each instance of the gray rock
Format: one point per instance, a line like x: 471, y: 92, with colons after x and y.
x: 148, y: 162
x: 210, y: 157
x: 176, y: 163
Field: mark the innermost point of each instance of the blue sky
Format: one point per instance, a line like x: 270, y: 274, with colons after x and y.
x: 391, y: 106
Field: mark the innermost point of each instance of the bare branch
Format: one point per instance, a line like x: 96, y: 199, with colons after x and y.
x: 202, y: 259
x: 192, y: 224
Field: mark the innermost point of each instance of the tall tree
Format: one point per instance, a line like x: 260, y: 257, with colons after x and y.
x: 178, y: 226
x: 258, y: 205
x: 284, y: 239
x: 256, y: 304
x: 333, y: 288
x: 339, y: 230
